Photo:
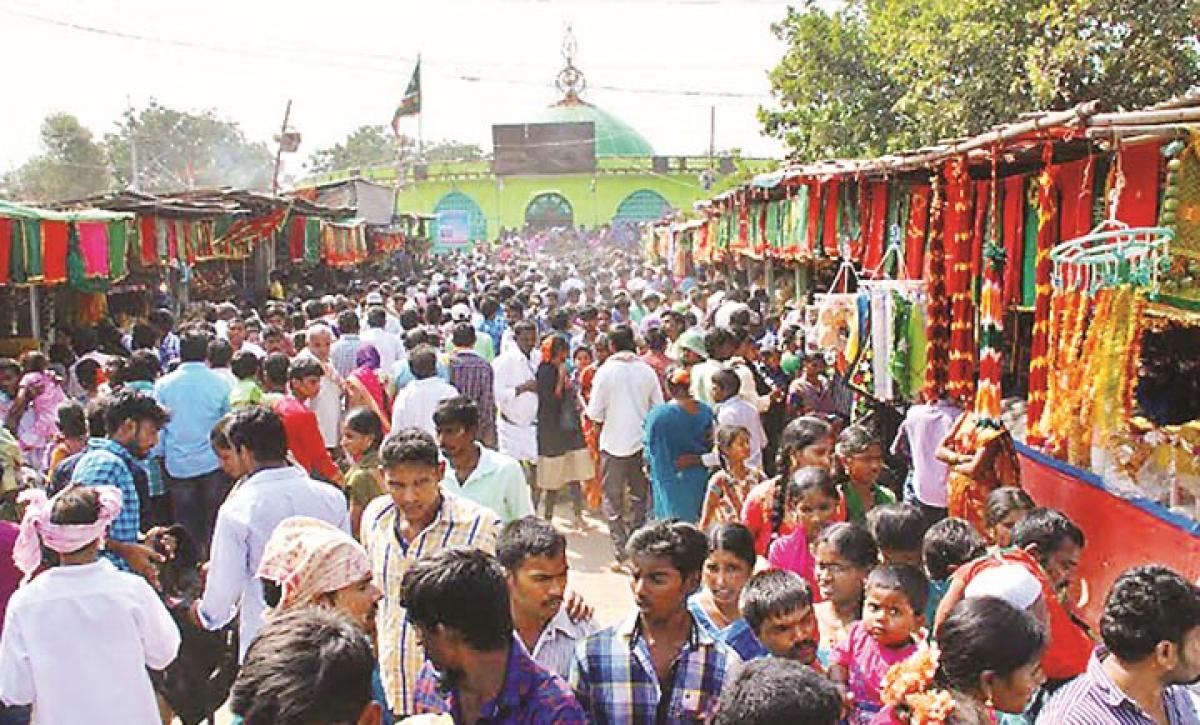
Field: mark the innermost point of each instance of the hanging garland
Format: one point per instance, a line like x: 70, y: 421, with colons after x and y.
x: 1039, y: 357
x: 960, y: 383
x: 991, y: 323
x: 938, y: 324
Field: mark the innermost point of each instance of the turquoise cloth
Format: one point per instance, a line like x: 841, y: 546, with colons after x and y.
x: 670, y: 432
x: 738, y: 635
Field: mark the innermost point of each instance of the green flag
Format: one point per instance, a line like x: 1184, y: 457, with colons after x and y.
x: 410, y: 105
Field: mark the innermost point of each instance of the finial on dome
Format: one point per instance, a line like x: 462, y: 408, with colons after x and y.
x: 571, y: 82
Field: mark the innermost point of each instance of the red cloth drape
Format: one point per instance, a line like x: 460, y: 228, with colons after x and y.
x: 1137, y: 205
x: 812, y: 233
x: 1013, y: 225
x: 148, y: 242
x: 296, y: 238
x: 876, y: 227
x: 172, y: 241
x: 1039, y: 372
x: 760, y: 248
x: 1075, y: 186
x: 958, y: 229
x: 5, y: 247
x: 829, y: 229
x: 983, y: 200
x: 54, y: 251
x: 914, y: 235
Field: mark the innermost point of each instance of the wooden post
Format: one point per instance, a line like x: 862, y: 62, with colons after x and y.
x: 770, y: 275
x: 35, y: 314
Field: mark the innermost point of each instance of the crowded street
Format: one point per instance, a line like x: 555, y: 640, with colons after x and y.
x: 552, y: 362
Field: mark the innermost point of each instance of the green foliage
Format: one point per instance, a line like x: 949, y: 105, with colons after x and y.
x: 883, y: 75
x: 182, y: 149
x: 71, y: 166
x: 368, y: 146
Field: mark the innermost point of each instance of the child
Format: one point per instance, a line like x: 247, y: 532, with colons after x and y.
x: 733, y: 409
x: 274, y: 378
x: 362, y: 434
x: 812, y: 501
x: 898, y: 530
x: 87, y: 373
x: 727, y: 488
x: 1006, y: 507
x: 72, y: 435
x: 845, y: 553
x: 859, y: 463
x: 40, y: 391
x: 57, y: 623
x: 948, y: 544
x: 245, y: 391
x: 805, y: 441
x: 893, y: 617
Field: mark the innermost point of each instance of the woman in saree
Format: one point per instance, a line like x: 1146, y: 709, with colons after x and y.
x: 981, y: 458
x: 676, y: 434
x: 365, y: 389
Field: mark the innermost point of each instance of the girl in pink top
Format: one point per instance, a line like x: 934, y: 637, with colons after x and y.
x: 892, y: 624
x: 806, y: 441
x: 42, y: 393
x: 810, y: 498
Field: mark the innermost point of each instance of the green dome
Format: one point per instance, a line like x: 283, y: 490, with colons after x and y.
x: 614, y: 137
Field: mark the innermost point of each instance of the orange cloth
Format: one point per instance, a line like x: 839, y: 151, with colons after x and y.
x: 967, y: 495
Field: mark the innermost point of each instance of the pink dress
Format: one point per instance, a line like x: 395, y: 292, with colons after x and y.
x: 866, y: 662
x: 41, y: 434
x: 791, y: 553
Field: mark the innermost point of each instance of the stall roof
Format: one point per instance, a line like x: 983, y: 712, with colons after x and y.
x: 14, y: 210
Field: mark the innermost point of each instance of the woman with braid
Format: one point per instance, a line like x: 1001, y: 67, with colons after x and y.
x: 806, y: 441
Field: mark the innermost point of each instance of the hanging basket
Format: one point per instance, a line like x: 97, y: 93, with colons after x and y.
x: 1112, y: 254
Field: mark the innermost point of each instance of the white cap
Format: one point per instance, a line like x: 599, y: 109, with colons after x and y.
x: 374, y: 298
x: 460, y: 313
x: 1011, y: 582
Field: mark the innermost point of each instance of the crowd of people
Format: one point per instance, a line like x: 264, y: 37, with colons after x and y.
x: 347, y: 509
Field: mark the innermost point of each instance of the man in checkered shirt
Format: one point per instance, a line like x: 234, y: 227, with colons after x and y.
x: 658, y: 665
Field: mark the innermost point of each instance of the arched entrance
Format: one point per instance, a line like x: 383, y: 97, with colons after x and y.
x: 458, y: 201
x: 549, y: 210
x: 640, y: 206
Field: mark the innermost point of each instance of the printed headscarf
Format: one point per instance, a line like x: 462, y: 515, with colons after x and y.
x: 307, y: 557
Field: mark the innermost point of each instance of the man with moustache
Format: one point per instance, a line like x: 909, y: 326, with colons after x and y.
x: 534, y: 556
x: 478, y: 671
x: 778, y: 607
x: 659, y: 665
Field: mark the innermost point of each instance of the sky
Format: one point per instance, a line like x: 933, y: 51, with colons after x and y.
x: 657, y: 64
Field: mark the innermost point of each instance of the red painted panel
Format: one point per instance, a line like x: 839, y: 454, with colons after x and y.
x: 1120, y: 534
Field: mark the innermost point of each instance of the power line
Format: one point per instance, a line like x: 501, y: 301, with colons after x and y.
x: 402, y: 61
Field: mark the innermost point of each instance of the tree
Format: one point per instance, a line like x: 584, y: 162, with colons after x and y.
x: 182, y: 149
x: 365, y: 146
x: 882, y: 75
x: 826, y: 78
x: 368, y: 146
x: 71, y: 165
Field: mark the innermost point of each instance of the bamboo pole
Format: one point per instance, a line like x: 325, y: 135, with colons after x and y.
x: 1133, y: 118
x: 1157, y: 130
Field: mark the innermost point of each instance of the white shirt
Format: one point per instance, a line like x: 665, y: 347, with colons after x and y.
x: 253, y: 349
x: 416, y: 402
x: 77, y: 641
x: 516, y: 426
x: 555, y: 647
x: 387, y: 344
x: 924, y: 428
x: 244, y: 523
x: 623, y: 392
x: 328, y: 403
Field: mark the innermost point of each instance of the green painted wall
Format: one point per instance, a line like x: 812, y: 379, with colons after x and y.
x: 503, y: 200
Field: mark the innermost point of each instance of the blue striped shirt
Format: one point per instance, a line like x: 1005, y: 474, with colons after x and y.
x: 1094, y: 699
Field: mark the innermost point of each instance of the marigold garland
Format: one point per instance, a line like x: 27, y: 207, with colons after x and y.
x: 959, y: 227
x: 907, y: 687
x: 937, y: 329
x: 1047, y: 191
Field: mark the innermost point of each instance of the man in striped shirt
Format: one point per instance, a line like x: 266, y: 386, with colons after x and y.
x: 415, y: 521
x: 534, y: 556
x: 1151, y: 653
